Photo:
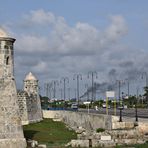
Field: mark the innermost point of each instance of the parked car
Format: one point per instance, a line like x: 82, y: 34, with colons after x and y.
x: 104, y: 106
x: 74, y: 106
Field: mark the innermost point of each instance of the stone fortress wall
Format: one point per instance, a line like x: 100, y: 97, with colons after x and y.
x: 94, y: 121
x: 29, y: 101
x: 116, y: 133
x: 77, y: 119
x: 11, y: 132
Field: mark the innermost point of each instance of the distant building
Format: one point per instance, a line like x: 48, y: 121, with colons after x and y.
x: 29, y: 100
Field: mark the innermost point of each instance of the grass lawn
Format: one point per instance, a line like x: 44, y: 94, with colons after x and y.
x: 49, y: 132
x: 145, y: 145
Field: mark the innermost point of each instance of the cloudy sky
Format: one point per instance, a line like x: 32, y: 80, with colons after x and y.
x: 60, y: 38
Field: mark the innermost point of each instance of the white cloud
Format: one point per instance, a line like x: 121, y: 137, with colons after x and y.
x: 40, y: 67
x: 30, y: 43
x: 55, y: 49
x: 116, y: 30
x: 80, y: 39
x: 40, y: 17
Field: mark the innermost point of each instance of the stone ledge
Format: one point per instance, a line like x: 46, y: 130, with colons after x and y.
x: 100, y: 143
x: 13, y: 143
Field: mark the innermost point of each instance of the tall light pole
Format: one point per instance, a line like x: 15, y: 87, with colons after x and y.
x: 119, y: 86
x: 77, y: 77
x: 95, y: 91
x: 64, y: 80
x: 61, y: 92
x: 75, y: 90
x: 86, y: 86
x: 136, y: 113
x: 128, y: 89
x: 144, y: 74
x: 54, y: 84
x: 120, y: 100
x: 92, y: 74
x: 47, y: 88
x: 69, y: 93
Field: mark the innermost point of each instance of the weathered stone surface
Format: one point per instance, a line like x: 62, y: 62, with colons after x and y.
x: 104, y: 138
x: 77, y: 119
x: 13, y: 143
x: 126, y: 141
x: 29, y: 101
x: 142, y: 127
x: 140, y: 141
x: 42, y: 146
x: 11, y: 133
x: 80, y: 130
x: 122, y: 125
x: 106, y: 144
x: 123, y: 133
x: 79, y: 143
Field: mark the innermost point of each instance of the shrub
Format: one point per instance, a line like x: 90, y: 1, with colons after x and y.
x: 98, y: 130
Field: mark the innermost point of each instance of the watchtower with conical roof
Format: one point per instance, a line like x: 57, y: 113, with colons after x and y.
x: 29, y: 100
x: 31, y: 84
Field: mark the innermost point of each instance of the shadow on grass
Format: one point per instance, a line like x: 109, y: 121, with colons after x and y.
x: 29, y: 134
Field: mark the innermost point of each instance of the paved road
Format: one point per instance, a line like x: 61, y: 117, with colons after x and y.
x: 142, y: 113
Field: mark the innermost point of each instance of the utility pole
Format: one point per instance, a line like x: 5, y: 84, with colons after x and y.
x: 77, y: 77
x: 92, y: 74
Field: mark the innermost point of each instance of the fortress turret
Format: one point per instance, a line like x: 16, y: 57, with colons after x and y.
x: 11, y: 132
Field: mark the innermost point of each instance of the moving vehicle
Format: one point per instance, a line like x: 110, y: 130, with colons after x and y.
x: 74, y: 106
x: 104, y: 106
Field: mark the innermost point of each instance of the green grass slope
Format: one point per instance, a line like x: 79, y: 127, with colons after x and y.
x: 49, y: 132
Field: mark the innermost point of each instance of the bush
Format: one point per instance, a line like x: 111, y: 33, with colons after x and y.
x: 98, y: 130
x: 82, y: 106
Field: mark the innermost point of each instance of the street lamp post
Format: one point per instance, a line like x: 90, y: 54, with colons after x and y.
x: 128, y: 89
x: 69, y: 93
x: 64, y: 80
x: 61, y: 92
x: 75, y: 92
x: 120, y: 101
x: 136, y: 113
x: 77, y: 77
x: 86, y: 86
x: 92, y: 74
x: 47, y: 87
x: 54, y: 83
x: 95, y: 91
x: 146, y: 78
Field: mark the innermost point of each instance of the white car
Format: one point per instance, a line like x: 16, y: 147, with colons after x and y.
x: 74, y: 106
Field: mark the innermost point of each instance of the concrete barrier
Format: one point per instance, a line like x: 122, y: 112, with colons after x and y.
x: 79, y: 119
x: 93, y: 121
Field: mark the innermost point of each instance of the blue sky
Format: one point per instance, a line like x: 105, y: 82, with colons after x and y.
x: 56, y: 38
